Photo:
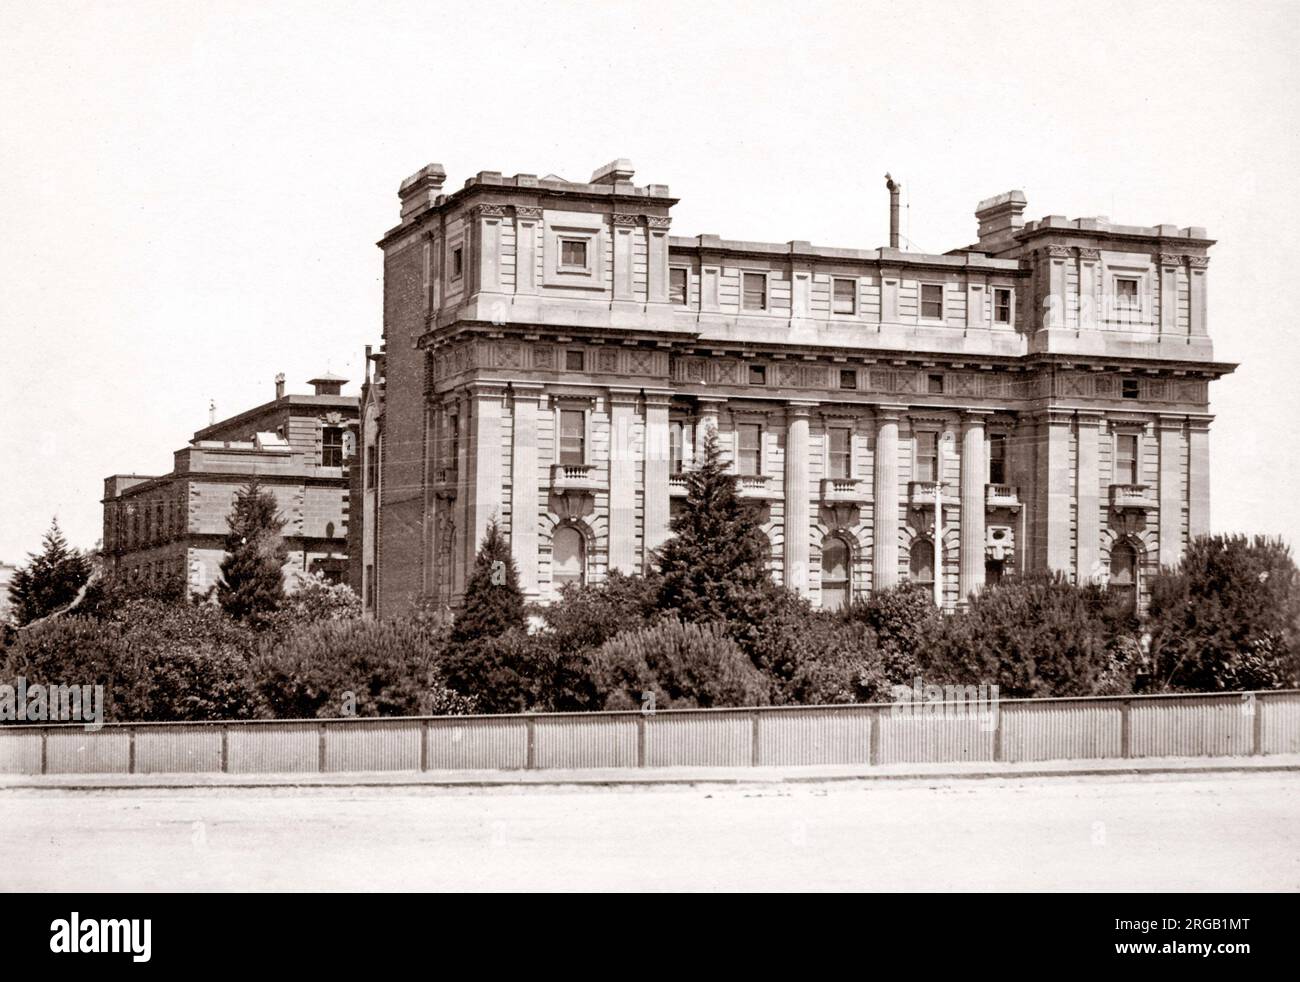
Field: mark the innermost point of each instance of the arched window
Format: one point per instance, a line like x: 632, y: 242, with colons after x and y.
x: 921, y: 563
x: 1123, y: 573
x: 568, y: 557
x: 837, y: 577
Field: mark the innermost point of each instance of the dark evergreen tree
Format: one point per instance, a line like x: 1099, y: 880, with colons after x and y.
x: 1227, y: 618
x: 714, y: 567
x: 50, y: 581
x: 493, y: 602
x: 252, y: 572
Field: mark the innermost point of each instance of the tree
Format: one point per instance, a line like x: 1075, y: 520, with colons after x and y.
x: 493, y: 602
x: 50, y: 581
x: 1227, y: 618
x: 714, y: 567
x: 252, y: 572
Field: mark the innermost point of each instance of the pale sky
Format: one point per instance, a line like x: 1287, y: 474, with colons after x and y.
x: 190, y: 192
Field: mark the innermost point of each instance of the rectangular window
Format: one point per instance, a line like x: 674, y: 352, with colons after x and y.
x: 331, y: 447
x: 1001, y: 306
x: 998, y: 458
x: 676, y: 448
x: 845, y: 300
x: 755, y: 287
x: 372, y: 468
x: 573, y: 361
x: 573, y: 254
x: 1126, y: 458
x: 927, y: 455
x: 677, y: 286
x: 840, y: 454
x: 573, y: 436
x: 758, y: 375
x: 370, y: 586
x: 1126, y: 292
x: 749, y: 448
x: 934, y: 384
x: 848, y: 378
x: 932, y: 301
x: 457, y: 263
x: 1129, y: 388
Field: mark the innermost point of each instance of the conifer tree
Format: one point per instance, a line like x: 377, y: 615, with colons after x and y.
x: 252, y: 572
x: 493, y: 602
x: 714, y: 566
x: 50, y: 581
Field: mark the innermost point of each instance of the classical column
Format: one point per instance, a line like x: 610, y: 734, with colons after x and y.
x: 524, y: 484
x: 461, y: 512
x: 1171, y: 491
x: 884, y: 534
x: 1054, y: 489
x: 796, y: 496
x: 655, y: 509
x: 622, y: 479
x: 974, y: 475
x: 1198, y: 475
x: 708, y: 410
x: 485, y: 479
x: 1087, y: 531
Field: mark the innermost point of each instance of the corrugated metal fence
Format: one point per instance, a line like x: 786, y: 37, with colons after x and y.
x: 1220, y: 725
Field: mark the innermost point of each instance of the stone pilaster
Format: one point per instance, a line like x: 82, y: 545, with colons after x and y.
x: 525, y: 485
x: 974, y: 476
x: 528, y: 223
x: 657, y: 258
x: 884, y: 553
x: 1087, y: 496
x: 655, y: 513
x: 627, y: 230
x: 1196, y: 294
x: 485, y: 478
x: 462, y: 510
x: 796, y: 497
x: 1171, y: 495
x: 1054, y: 490
x: 1198, y: 475
x: 622, y: 479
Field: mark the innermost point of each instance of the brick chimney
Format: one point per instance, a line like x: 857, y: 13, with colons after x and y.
x: 1000, y: 218
x: 419, y: 192
x: 279, y: 386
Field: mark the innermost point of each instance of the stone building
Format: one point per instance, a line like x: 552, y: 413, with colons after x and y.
x: 552, y: 353
x: 297, y: 446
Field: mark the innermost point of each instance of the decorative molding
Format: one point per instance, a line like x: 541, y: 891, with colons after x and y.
x: 1198, y: 262
x: 627, y: 219
x: 529, y: 212
x: 486, y: 211
x: 1059, y: 252
x: 1171, y: 259
x: 1090, y: 255
x: 661, y: 222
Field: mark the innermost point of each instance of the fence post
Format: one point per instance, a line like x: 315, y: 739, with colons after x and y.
x: 531, y: 725
x: 320, y: 758
x: 640, y: 739
x: 873, y: 738
x: 1125, y: 730
x: 754, y: 752
x: 225, y: 748
x: 130, y: 754
x: 1257, y: 724
x: 997, y: 732
x: 45, y: 752
x: 425, y: 727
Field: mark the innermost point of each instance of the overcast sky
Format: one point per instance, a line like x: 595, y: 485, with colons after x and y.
x: 190, y: 192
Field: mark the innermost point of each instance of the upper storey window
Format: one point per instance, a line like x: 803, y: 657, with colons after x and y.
x: 1001, y: 305
x: 932, y: 301
x: 1126, y: 292
x: 677, y: 285
x: 573, y: 254
x: 927, y: 456
x: 457, y: 263
x: 749, y: 448
x: 755, y: 291
x: 331, y: 447
x: 845, y: 300
x: 573, y: 436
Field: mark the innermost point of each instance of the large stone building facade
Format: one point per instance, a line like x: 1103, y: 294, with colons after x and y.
x: 552, y: 355
x: 299, y: 447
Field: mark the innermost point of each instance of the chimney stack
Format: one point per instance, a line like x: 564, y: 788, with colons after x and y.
x: 1000, y: 218
x: 894, y: 188
x: 279, y: 386
x: 420, y: 192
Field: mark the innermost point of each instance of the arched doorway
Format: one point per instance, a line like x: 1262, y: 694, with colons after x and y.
x: 837, y: 576
x: 920, y: 567
x: 568, y: 557
x: 1123, y: 574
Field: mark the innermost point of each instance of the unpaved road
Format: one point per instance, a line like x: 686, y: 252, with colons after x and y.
x: 1148, y: 832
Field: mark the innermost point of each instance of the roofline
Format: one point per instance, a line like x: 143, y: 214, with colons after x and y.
x: 334, y: 402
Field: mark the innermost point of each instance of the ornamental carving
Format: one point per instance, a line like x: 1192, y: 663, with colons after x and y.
x: 1090, y: 255
x: 1170, y: 259
x: 627, y: 219
x: 658, y: 221
x: 639, y: 363
x: 1198, y: 262
x: 1059, y: 252
x: 528, y: 212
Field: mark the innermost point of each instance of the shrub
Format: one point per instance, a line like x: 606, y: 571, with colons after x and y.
x: 493, y: 603
x: 1228, y: 617
x: 156, y: 661
x: 315, y: 600
x: 682, y: 664
x: 50, y: 581
x: 354, y: 668
x: 252, y: 573
x: 588, y: 615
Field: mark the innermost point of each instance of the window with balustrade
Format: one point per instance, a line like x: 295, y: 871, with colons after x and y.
x: 839, y: 452
x: 573, y: 436
x: 997, y: 458
x: 749, y: 449
x: 927, y: 456
x: 1127, y: 469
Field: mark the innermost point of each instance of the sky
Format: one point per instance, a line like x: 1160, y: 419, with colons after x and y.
x: 190, y: 192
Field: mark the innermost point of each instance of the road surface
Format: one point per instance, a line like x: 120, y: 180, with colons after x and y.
x: 1135, y: 832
